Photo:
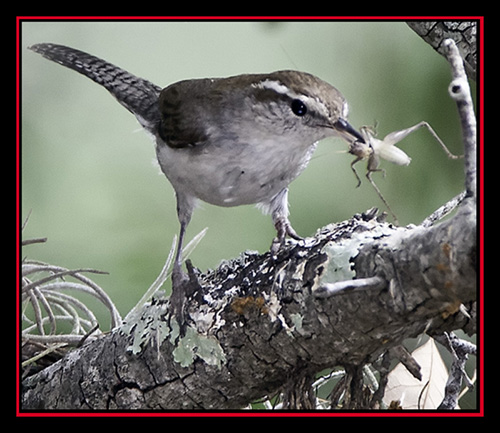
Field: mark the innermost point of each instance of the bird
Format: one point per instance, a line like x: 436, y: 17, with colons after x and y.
x: 226, y: 141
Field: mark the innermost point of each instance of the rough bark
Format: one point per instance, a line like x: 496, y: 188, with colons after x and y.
x: 260, y: 324
x: 464, y: 33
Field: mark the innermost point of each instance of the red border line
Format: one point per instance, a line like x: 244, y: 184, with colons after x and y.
x: 478, y: 413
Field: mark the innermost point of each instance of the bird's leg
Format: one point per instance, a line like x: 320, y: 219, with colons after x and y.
x: 178, y: 275
x: 181, y: 282
x: 279, y: 207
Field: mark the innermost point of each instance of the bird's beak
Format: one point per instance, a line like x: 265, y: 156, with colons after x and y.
x: 347, y: 132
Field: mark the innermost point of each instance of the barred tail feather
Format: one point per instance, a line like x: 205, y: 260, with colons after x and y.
x: 137, y: 95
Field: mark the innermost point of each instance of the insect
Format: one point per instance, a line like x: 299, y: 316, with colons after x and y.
x: 373, y: 150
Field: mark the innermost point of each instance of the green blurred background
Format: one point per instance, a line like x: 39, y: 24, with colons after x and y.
x: 88, y: 171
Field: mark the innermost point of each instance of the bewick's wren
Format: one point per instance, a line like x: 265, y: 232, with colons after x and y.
x: 226, y: 141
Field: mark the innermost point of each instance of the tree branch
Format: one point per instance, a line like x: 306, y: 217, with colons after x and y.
x: 460, y: 351
x: 459, y: 90
x: 262, y: 324
x: 464, y: 33
x: 256, y: 323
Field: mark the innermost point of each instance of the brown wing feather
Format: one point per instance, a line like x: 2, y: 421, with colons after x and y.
x: 177, y: 111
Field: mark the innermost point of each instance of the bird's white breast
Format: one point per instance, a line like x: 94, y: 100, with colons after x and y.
x: 231, y: 175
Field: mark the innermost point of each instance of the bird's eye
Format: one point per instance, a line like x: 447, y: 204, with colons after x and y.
x: 298, y: 107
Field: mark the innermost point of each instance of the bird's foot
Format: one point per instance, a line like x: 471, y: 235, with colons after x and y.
x: 183, y: 286
x: 284, y: 229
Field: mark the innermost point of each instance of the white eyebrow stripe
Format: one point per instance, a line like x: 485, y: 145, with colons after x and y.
x: 278, y: 88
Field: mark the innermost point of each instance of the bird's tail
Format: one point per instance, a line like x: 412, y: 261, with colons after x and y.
x: 137, y: 95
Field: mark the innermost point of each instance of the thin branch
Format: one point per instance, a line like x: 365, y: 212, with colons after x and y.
x: 43, y: 353
x: 33, y: 241
x: 460, y: 350
x: 444, y: 210
x: 459, y: 90
x: 73, y: 339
